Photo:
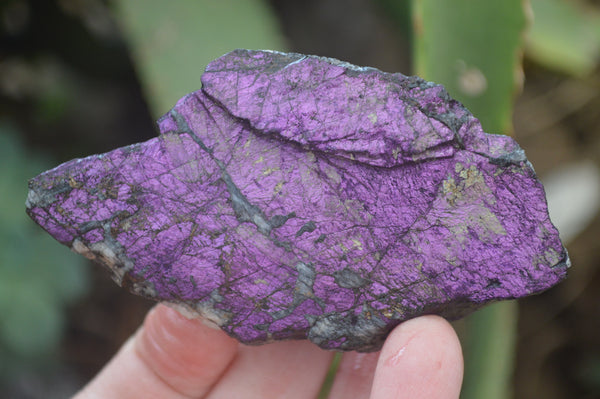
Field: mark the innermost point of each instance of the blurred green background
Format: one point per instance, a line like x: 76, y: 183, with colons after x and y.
x: 85, y: 76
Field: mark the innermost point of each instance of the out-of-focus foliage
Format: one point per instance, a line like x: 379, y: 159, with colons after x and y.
x: 565, y: 36
x: 172, y: 44
x: 473, y: 49
x: 400, y: 12
x: 38, y: 277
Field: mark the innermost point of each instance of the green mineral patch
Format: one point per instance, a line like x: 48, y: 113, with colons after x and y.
x: 270, y: 170
x: 357, y: 244
x: 451, y: 191
x: 278, y: 187
x: 468, y: 191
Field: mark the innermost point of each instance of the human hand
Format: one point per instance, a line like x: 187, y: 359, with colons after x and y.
x: 174, y: 357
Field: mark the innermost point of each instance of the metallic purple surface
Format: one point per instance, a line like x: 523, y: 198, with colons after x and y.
x: 303, y: 197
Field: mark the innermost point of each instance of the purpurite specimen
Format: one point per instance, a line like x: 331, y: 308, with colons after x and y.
x: 303, y: 197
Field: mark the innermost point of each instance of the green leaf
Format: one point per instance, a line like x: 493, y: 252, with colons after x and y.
x: 565, y: 36
x: 172, y: 43
x: 489, y: 346
x: 330, y: 377
x: 473, y: 48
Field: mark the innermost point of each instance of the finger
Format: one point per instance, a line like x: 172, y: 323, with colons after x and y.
x: 169, y: 357
x: 289, y: 369
x: 354, y: 376
x: 420, y: 359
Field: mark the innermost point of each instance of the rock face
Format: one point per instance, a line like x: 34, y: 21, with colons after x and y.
x: 303, y: 197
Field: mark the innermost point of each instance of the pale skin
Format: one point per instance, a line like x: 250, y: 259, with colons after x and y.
x: 173, y: 357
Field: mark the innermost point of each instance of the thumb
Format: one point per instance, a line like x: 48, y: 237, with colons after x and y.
x: 169, y: 357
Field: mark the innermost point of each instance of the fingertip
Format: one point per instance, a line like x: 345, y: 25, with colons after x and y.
x: 421, y: 358
x: 170, y: 357
x: 186, y: 353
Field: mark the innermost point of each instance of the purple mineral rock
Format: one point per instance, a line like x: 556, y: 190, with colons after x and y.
x: 303, y: 197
